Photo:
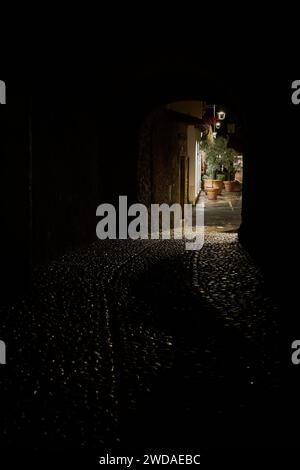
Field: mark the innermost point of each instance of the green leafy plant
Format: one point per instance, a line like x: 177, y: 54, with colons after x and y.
x: 229, y: 160
x: 220, y: 157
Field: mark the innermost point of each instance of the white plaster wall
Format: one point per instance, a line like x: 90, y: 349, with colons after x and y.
x: 193, y: 136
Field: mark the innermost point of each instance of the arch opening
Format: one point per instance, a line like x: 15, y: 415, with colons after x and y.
x: 191, y: 152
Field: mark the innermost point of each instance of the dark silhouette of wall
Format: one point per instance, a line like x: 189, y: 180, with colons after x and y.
x: 66, y: 177
x: 15, y: 201
x: 162, y: 139
x: 51, y: 181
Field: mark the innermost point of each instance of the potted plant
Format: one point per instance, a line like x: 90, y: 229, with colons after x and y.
x: 221, y: 160
x: 213, y: 159
x: 212, y: 193
x: 210, y: 190
x: 231, y: 163
x: 221, y: 176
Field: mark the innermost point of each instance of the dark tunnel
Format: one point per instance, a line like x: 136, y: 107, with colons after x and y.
x: 68, y: 145
x: 64, y: 154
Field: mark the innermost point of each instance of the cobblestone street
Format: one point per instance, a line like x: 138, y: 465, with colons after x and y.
x: 224, y: 214
x: 127, y: 343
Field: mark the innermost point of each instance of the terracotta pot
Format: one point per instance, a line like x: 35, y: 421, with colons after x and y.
x: 208, y: 183
x: 229, y: 185
x: 219, y: 185
x: 212, y: 193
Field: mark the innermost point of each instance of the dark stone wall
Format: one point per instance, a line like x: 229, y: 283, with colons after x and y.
x: 15, y: 194
x: 51, y: 181
x: 161, y: 141
x: 271, y: 196
x: 66, y: 179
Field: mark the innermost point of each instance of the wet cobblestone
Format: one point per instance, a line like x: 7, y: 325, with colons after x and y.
x: 127, y: 337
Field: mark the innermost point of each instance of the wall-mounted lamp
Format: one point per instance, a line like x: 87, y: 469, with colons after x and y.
x: 218, y: 125
x: 221, y: 115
